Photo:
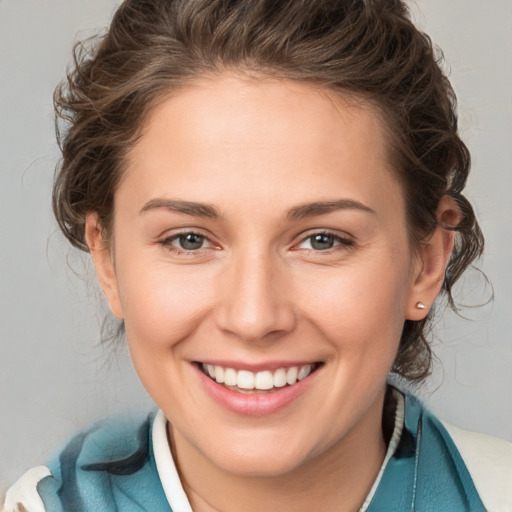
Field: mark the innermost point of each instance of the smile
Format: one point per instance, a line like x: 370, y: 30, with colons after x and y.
x: 245, y: 381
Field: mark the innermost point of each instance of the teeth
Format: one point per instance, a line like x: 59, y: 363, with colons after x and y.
x: 230, y: 377
x: 219, y: 374
x: 264, y: 380
x: 280, y: 378
x: 245, y: 380
x: 303, y: 372
x: 291, y: 375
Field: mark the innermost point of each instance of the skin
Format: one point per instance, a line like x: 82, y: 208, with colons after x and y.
x: 257, y: 291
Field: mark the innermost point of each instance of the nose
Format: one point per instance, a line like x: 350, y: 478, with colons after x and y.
x: 255, y: 305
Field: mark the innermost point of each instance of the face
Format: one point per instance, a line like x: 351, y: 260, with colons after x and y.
x: 262, y: 267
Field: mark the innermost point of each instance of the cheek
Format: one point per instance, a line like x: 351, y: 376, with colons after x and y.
x: 161, y: 304
x: 162, y: 309
x: 360, y: 307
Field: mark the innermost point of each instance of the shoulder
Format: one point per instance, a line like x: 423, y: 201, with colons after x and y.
x: 98, y: 469
x: 443, y: 467
x: 489, y: 461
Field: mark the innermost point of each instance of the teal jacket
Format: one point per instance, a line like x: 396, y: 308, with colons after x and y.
x: 111, y: 467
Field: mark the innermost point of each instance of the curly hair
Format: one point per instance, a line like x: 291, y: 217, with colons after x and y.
x: 365, y: 48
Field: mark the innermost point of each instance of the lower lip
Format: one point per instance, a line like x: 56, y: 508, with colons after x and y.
x: 255, y: 404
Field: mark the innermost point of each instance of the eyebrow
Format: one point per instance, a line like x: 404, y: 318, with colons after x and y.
x: 296, y: 213
x: 325, y: 207
x: 186, y: 207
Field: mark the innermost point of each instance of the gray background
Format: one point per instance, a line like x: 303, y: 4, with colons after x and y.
x: 55, y: 375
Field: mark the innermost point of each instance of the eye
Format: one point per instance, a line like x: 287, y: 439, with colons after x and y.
x: 324, y: 242
x: 186, y: 242
x: 190, y: 241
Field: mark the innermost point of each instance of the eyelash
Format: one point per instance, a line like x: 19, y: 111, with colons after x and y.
x: 339, y: 242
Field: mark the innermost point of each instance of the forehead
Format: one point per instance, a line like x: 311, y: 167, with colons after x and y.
x: 256, y: 136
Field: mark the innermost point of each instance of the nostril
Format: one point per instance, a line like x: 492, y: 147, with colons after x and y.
x: 257, y: 323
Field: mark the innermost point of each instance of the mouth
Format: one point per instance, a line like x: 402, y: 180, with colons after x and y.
x: 260, y: 382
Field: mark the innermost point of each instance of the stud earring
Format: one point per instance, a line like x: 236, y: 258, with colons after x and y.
x: 420, y: 305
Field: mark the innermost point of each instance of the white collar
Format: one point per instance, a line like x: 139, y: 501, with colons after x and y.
x: 166, y: 468
x: 393, y: 443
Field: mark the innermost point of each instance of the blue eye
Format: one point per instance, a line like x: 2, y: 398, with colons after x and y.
x: 324, y: 242
x: 186, y: 242
x: 190, y: 241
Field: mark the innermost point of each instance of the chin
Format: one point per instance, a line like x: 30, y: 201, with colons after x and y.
x: 261, y: 455
x: 260, y: 465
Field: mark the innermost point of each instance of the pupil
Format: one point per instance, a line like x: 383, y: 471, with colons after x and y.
x: 322, y: 242
x: 191, y: 241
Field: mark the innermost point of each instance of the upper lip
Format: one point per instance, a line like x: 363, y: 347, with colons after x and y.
x: 257, y: 367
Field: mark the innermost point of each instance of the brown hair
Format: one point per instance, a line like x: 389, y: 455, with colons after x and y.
x: 366, y: 48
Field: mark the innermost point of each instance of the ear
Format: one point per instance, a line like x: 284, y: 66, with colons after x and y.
x: 103, y: 262
x: 432, y: 260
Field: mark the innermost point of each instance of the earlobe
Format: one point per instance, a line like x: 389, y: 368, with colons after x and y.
x: 434, y: 255
x: 103, y: 263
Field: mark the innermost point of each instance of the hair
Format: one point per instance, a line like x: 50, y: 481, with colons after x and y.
x: 367, y: 49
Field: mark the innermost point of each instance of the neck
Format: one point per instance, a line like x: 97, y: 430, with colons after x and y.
x: 337, y: 480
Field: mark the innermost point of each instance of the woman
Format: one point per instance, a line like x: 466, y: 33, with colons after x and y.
x: 271, y: 193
